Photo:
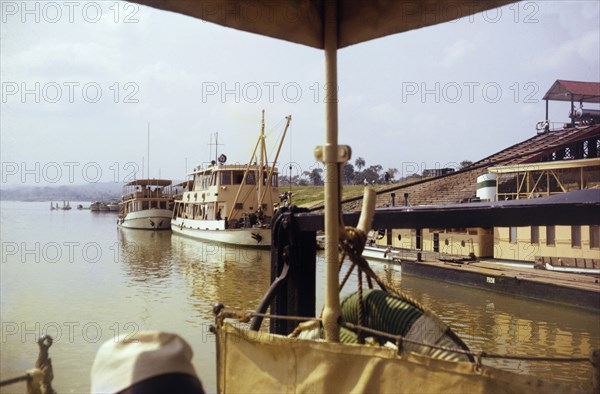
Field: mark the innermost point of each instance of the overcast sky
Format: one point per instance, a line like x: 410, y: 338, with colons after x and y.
x: 81, y: 81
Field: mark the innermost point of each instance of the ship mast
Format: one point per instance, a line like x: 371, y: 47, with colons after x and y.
x: 272, y: 168
x: 261, y: 163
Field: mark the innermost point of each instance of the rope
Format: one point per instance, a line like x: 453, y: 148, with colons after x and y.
x: 26, y: 377
x: 39, y: 379
x: 361, y: 319
x: 347, y: 276
x: 353, y: 245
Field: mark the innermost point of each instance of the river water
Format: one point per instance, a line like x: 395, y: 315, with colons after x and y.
x: 77, y: 277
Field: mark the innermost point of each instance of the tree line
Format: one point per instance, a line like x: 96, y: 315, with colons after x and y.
x: 356, y: 174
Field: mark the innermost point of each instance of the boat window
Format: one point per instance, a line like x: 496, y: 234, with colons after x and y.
x: 274, y: 180
x: 225, y: 177
x: 251, y: 178
x: 239, y: 205
x: 237, y: 177
x: 213, y: 179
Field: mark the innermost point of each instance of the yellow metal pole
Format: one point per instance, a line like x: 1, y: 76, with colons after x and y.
x: 262, y: 160
x: 331, y: 310
x: 272, y: 168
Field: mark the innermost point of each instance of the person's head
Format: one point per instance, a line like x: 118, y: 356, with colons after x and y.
x: 146, y: 362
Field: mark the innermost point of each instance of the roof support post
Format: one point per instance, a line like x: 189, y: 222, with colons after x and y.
x: 331, y: 311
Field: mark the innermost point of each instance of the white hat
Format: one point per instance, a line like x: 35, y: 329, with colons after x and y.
x: 129, y: 359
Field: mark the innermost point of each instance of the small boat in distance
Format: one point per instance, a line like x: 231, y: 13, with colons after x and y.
x: 231, y: 203
x: 146, y: 204
x: 65, y: 207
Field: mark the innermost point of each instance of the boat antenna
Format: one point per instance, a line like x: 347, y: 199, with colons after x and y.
x: 148, y: 150
x: 290, y: 178
x: 216, y: 144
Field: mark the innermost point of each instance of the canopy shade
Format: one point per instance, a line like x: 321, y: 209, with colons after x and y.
x: 301, y: 21
x: 586, y: 92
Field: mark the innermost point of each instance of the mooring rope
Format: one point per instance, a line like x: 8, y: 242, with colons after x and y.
x: 39, y: 379
x: 352, y: 246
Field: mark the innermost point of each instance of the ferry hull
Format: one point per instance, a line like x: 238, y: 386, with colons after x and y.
x: 212, y: 230
x: 150, y: 219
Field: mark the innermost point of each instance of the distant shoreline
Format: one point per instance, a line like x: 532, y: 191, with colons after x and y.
x: 101, y: 191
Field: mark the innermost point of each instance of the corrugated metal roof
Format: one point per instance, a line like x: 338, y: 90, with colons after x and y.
x: 461, y: 185
x: 587, y: 92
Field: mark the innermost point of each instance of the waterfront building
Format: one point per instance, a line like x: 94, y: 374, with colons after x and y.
x: 559, y: 159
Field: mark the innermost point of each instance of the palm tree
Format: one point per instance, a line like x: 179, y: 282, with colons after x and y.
x: 359, y: 163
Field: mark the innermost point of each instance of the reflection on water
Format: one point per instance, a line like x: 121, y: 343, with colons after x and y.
x: 145, y: 254
x: 105, y: 281
x: 235, y: 276
x: 502, y: 324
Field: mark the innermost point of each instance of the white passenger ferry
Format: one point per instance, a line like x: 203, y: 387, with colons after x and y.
x: 231, y: 203
x: 146, y: 204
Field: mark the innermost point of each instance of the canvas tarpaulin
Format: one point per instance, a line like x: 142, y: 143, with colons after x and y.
x: 250, y: 361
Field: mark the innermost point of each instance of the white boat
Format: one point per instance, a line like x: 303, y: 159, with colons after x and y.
x: 146, y: 204
x: 380, y: 253
x: 231, y: 203
x: 113, y: 206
